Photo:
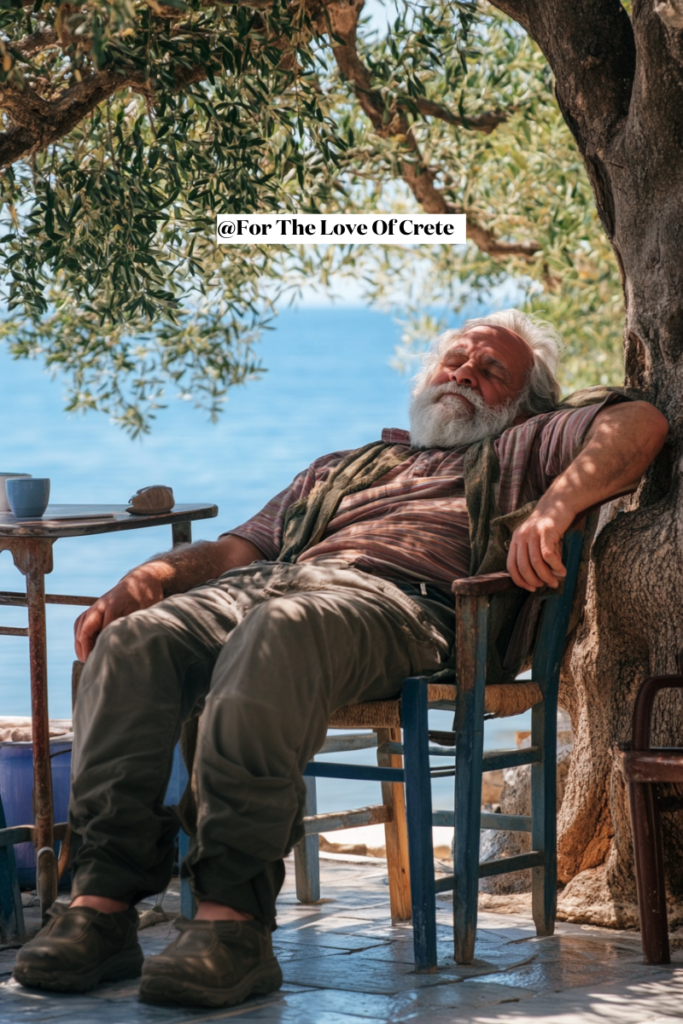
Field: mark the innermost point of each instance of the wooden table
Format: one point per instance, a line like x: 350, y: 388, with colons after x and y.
x: 30, y: 542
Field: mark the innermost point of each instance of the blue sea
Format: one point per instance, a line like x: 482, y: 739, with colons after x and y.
x: 329, y: 385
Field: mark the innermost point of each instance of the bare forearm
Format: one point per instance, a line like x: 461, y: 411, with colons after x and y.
x: 173, y: 573
x: 621, y: 444
x: 190, y: 565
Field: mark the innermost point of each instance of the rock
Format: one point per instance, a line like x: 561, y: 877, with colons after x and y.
x: 491, y: 788
x: 151, y: 500
x: 356, y: 849
x: 507, y: 903
x: 589, y: 899
x: 151, y: 917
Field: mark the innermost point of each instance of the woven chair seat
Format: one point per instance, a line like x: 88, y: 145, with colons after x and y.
x: 501, y: 700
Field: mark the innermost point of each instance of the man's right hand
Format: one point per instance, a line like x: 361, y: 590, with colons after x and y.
x: 141, y: 588
x: 186, y: 566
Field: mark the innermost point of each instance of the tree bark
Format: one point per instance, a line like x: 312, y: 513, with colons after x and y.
x: 619, y: 84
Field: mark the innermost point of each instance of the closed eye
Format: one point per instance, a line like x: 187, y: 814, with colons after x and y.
x: 496, y: 370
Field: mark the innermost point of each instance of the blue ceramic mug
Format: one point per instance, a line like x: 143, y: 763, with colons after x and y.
x: 28, y: 496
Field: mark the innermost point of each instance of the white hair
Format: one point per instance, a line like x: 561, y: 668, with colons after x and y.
x: 542, y: 391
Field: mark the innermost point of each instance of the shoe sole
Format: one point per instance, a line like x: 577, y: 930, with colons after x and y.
x: 165, y: 990
x: 126, y: 964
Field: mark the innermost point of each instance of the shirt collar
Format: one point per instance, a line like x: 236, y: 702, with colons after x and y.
x: 395, y: 435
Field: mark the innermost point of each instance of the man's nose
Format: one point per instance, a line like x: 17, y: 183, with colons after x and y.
x: 465, y: 375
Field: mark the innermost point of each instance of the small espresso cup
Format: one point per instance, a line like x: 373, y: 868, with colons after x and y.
x: 4, y: 477
x: 28, y: 496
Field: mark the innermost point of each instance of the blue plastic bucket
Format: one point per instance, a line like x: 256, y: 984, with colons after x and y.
x: 16, y: 792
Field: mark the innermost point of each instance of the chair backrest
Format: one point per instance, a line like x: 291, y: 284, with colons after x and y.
x: 541, y: 626
x: 552, y: 633
x: 644, y: 703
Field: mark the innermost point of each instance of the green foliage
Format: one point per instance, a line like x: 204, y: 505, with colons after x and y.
x: 523, y: 182
x: 109, y: 265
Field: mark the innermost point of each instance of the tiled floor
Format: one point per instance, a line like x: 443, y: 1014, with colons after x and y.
x: 344, y: 963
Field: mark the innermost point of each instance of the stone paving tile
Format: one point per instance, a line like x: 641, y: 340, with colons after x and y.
x: 367, y: 1005
x: 504, y: 930
x: 345, y: 963
x: 470, y: 996
x: 486, y: 961
x: 283, y: 1015
x: 640, y: 1002
x: 563, y: 962
x: 289, y: 954
x: 357, y: 973
x: 113, y: 1004
x: 340, y: 922
x: 17, y: 1005
x: 7, y: 958
x: 313, y: 939
x: 372, y: 914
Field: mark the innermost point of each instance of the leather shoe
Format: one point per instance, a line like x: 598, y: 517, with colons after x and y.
x: 80, y: 947
x: 212, y: 963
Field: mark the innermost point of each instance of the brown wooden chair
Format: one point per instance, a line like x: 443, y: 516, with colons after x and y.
x: 645, y: 768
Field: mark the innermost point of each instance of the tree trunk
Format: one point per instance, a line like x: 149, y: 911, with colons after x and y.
x: 619, y: 84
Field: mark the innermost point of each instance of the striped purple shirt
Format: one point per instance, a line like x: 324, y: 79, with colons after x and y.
x: 412, y: 524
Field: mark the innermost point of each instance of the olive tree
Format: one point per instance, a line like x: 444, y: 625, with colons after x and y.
x: 554, y: 125
x: 129, y: 125
x: 619, y: 84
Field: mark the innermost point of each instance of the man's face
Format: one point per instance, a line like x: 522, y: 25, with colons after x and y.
x: 475, y: 390
x: 491, y: 361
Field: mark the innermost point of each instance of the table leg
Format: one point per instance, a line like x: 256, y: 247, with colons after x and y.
x: 182, y: 533
x: 33, y: 558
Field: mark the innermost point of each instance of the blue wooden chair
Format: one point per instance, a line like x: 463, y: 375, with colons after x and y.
x: 472, y: 700
x: 11, y: 910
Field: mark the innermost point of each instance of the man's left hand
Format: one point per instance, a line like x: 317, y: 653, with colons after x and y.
x: 535, y: 556
x: 621, y: 444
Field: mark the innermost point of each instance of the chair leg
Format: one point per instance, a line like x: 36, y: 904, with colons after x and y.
x: 467, y: 835
x: 544, y: 813
x: 306, y: 859
x: 395, y: 831
x: 11, y: 909
x: 188, y: 907
x: 419, y: 815
x: 649, y: 862
x: 472, y: 621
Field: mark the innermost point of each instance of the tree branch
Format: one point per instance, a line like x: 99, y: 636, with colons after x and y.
x: 590, y: 47
x: 39, y: 122
x: 340, y: 19
x: 487, y: 242
x: 36, y: 42
x: 485, y: 122
x: 658, y: 98
x: 671, y: 13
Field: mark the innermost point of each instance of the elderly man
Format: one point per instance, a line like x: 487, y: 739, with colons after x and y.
x: 331, y: 595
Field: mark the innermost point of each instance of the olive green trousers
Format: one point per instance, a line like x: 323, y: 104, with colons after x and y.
x: 264, y: 654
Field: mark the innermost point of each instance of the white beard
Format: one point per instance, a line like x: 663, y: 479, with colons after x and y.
x: 437, y: 422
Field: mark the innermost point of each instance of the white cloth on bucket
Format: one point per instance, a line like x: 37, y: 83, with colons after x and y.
x: 15, y: 729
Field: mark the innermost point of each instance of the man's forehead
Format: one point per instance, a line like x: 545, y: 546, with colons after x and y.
x: 493, y: 343
x: 485, y: 356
